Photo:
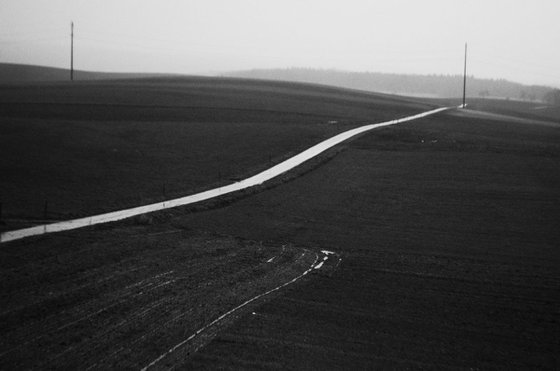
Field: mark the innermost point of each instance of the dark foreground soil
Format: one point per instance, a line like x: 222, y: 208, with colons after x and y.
x: 447, y: 231
x: 448, y: 228
x: 120, y: 298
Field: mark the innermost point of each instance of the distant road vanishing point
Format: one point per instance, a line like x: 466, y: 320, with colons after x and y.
x: 255, y: 180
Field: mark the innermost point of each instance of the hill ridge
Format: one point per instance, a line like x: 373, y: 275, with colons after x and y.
x: 25, y: 73
x: 434, y: 86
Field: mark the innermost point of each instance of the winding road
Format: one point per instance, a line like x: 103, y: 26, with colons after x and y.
x: 255, y: 180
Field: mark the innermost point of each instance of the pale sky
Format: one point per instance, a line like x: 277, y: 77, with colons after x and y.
x: 514, y: 39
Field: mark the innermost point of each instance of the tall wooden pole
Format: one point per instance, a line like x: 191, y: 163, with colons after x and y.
x: 72, y: 51
x: 465, y: 78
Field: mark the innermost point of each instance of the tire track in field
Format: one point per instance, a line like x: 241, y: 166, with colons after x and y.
x: 160, y: 322
x: 83, y: 311
x: 128, y: 316
x: 80, y: 314
x: 86, y: 284
x: 36, y: 330
x: 314, y: 266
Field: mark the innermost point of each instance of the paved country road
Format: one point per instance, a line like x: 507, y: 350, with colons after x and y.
x: 255, y: 180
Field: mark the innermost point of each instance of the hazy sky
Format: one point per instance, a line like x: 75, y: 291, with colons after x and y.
x: 514, y: 39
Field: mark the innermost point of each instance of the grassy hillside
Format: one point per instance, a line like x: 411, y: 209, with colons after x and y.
x: 81, y: 148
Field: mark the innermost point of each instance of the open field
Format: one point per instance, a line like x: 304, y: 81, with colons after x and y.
x: 120, y: 299
x: 92, y: 147
x: 528, y: 110
x: 448, y: 232
x: 446, y: 229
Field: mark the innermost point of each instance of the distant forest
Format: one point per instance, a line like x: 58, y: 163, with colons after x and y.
x: 437, y: 86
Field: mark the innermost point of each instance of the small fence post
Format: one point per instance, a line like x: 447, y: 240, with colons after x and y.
x: 46, y: 210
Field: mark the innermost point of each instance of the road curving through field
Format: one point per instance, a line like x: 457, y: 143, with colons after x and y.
x: 252, y: 181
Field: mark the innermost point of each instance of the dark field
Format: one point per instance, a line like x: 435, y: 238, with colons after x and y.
x: 92, y: 147
x: 528, y: 110
x: 450, y: 251
x: 119, y: 298
x: 447, y: 230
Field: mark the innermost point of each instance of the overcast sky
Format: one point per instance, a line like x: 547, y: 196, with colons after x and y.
x: 513, y: 39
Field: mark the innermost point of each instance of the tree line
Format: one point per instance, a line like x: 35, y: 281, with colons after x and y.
x: 440, y: 86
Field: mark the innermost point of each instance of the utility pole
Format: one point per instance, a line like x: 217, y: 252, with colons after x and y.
x: 72, y: 51
x: 465, y: 79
